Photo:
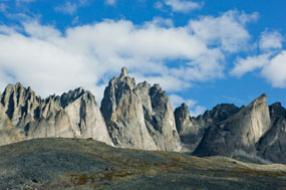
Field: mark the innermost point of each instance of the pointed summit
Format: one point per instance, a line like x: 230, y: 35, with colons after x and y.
x: 262, y: 98
x: 124, y: 72
x: 139, y: 116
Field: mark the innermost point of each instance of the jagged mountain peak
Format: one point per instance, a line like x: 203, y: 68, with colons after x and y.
x: 74, y: 114
x: 182, y: 117
x: 277, y: 110
x: 157, y: 89
x: 19, y: 101
x: 124, y: 72
x: 260, y: 100
x: 238, y: 132
x: 18, y: 88
x: 217, y: 114
x: 123, y: 82
x: 139, y: 115
x: 184, y: 109
x: 75, y: 94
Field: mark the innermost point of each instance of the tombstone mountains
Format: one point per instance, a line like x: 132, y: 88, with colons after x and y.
x: 140, y: 116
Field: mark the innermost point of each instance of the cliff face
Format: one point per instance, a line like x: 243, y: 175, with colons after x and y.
x: 193, y: 129
x: 139, y: 116
x: 272, y: 146
x: 124, y: 114
x: 239, y: 132
x: 73, y: 115
x: 189, y: 130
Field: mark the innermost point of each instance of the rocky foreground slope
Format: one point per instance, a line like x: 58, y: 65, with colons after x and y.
x: 140, y: 116
x: 62, y: 164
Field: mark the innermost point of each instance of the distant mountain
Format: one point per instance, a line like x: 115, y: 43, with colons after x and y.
x: 140, y: 116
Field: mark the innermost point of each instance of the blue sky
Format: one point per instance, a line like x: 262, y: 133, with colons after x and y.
x: 202, y: 52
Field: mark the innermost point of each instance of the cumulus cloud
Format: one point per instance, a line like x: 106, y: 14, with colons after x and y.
x: 275, y: 71
x: 51, y: 61
x: 271, y: 40
x: 271, y: 66
x: 67, y: 8
x: 182, y: 6
x: 227, y: 31
x: 71, y: 7
x: 270, y: 60
x: 243, y: 66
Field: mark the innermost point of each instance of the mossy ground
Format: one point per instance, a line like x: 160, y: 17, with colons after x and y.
x: 86, y: 164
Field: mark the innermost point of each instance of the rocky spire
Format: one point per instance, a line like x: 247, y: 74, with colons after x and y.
x: 182, y: 117
x: 124, y: 72
x: 188, y: 128
x: 139, y: 116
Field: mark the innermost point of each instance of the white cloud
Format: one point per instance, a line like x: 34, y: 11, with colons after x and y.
x: 270, y: 60
x: 227, y: 31
x: 38, y: 31
x: 275, y: 71
x: 182, y: 6
x: 271, y: 40
x: 67, y: 8
x: 272, y: 67
x: 71, y: 7
x: 195, y: 108
x: 243, y: 66
x: 52, y: 61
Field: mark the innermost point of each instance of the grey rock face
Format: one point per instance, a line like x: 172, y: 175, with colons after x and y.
x: 8, y: 134
x: 272, y: 146
x: 188, y: 128
x: 218, y: 114
x: 73, y: 115
x: 20, y: 104
x: 139, y: 116
x: 240, y: 131
x: 192, y: 129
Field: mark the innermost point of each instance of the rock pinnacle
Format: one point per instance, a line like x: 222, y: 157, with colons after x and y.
x: 124, y: 72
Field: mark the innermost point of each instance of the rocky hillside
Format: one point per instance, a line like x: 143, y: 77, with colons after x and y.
x: 62, y: 164
x: 140, y: 116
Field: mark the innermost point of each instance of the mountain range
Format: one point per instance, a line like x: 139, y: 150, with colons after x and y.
x: 140, y: 116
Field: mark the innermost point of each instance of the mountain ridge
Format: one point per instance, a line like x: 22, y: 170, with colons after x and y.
x: 140, y: 116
